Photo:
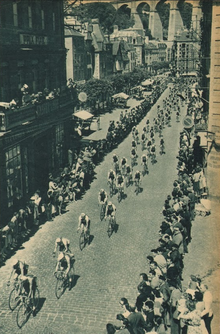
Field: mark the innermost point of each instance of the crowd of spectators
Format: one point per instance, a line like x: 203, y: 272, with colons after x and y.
x: 71, y: 182
x: 163, y: 303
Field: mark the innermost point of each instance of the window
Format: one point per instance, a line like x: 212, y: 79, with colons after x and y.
x: 42, y: 20
x: 30, y: 23
x: 13, y: 174
x: 15, y: 14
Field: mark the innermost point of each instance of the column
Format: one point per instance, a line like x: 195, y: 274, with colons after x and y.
x: 175, y: 20
x: 196, y: 16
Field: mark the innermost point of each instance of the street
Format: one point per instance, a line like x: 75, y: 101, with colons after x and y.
x: 108, y: 268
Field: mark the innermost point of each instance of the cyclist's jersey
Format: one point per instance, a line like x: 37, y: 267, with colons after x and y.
x: 85, y: 220
x: 123, y: 162
x: 128, y: 169
x: 137, y: 176
x: 110, y: 209
x: 144, y: 158
x: 133, y: 152
x: 102, y: 196
x: 115, y: 159
x: 120, y: 180
x: 111, y: 176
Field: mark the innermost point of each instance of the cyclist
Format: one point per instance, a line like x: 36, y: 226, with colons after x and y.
x: 61, y: 245
x: 133, y: 157
x: 84, y: 224
x: 162, y: 146
x: 143, y: 141
x: 115, y: 163
x: 19, y: 270
x: 102, y: 197
x: 110, y: 211
x: 137, y: 178
x: 144, y: 162
x: 120, y: 182
x: 128, y: 174
x: 65, y: 263
x: 123, y: 165
x: 29, y: 284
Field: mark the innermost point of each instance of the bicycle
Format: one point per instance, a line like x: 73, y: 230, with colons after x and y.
x: 120, y: 194
x: 83, y: 239
x: 102, y: 211
x: 128, y: 179
x: 111, y: 188
x: 145, y: 169
x: 137, y: 186
x: 61, y: 283
x: 27, y: 307
x: 14, y: 296
x: 111, y: 225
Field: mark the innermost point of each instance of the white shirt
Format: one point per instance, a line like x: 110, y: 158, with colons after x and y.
x: 207, y: 299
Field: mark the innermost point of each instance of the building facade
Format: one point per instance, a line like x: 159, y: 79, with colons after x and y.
x: 32, y: 47
x: 186, y: 52
x: 35, y: 129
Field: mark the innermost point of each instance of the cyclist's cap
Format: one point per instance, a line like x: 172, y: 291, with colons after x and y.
x: 58, y: 240
x: 83, y: 215
x: 102, y: 190
x: 109, y: 203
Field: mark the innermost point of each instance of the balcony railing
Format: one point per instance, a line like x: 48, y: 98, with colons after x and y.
x: 11, y: 118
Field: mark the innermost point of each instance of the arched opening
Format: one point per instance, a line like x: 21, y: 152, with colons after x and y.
x: 185, y: 9
x: 123, y: 17
x: 143, y: 10
x: 163, y: 10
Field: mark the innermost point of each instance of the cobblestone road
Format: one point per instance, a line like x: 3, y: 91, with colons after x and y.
x: 108, y: 268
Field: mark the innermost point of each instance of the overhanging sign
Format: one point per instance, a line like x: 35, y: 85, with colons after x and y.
x: 188, y: 122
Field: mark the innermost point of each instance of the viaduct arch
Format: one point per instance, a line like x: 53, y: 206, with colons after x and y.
x: 155, y: 25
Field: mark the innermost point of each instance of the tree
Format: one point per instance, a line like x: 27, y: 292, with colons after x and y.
x: 105, y: 12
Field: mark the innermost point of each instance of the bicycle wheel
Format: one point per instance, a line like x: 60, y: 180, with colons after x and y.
x: 59, y: 288
x: 110, y: 228
x: 82, y: 241
x: 22, y: 315
x: 102, y: 212
x: 13, y: 299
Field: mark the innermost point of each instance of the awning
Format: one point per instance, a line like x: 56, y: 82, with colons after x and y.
x: 83, y: 114
x: 147, y: 82
x: 121, y: 95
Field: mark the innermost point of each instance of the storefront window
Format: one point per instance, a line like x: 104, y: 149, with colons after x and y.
x: 13, y: 174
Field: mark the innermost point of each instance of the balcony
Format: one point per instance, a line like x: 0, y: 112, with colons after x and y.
x: 13, y: 117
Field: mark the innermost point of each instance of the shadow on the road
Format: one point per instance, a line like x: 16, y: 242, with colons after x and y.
x: 91, y: 237
x: 141, y: 190
x: 74, y: 282
x: 40, y: 305
x: 116, y: 228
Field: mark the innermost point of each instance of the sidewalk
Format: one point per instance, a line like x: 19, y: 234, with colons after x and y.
x: 105, y: 121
